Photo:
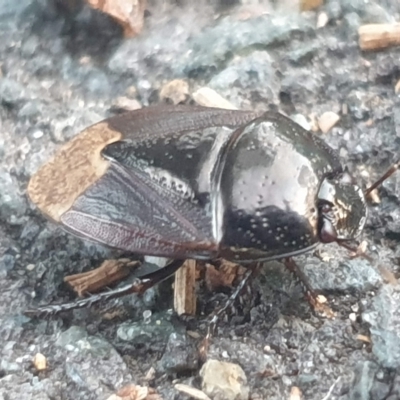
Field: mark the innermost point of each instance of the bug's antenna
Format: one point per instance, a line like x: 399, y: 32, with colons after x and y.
x: 386, y: 175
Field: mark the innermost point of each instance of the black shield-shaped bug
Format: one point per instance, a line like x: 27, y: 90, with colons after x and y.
x: 194, y: 182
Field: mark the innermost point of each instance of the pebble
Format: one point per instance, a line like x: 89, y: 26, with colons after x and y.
x: 176, y: 91
x: 327, y: 121
x: 191, y: 391
x: 208, y: 97
x: 180, y: 355
x: 224, y: 381
x: 40, y: 362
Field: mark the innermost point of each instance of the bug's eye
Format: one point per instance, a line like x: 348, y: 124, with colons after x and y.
x: 325, y: 207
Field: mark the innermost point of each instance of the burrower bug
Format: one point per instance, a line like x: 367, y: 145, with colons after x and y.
x: 194, y: 182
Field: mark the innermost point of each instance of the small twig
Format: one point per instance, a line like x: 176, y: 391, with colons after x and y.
x: 379, y: 36
x: 331, y: 389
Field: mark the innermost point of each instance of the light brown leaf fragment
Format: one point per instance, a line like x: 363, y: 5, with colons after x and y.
x: 128, y: 13
x: 379, y: 36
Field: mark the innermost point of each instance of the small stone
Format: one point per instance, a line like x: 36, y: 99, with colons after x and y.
x: 191, y: 391
x: 161, y: 262
x: 327, y: 121
x: 353, y: 317
x: 208, y: 97
x: 37, y: 134
x: 397, y: 87
x: 180, y: 355
x: 176, y: 91
x: 224, y: 381
x: 322, y: 20
x: 127, y: 104
x: 40, y: 362
x: 295, y: 393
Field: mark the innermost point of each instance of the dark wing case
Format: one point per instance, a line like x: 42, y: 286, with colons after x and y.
x: 141, y: 181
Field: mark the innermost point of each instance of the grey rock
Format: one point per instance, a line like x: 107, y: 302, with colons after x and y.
x: 12, y: 93
x: 30, y: 109
x: 340, y: 275
x: 254, y: 33
x: 301, y: 83
x: 143, y: 332
x: 384, y: 320
x: 252, y: 76
x: 376, y: 14
x: 12, y: 204
x: 7, y: 262
x: 366, y: 384
x: 71, y: 336
x: 12, y: 9
x: 180, y: 355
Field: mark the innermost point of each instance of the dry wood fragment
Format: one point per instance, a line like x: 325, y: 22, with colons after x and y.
x: 128, y: 13
x: 379, y: 36
x: 110, y: 271
x: 184, y: 289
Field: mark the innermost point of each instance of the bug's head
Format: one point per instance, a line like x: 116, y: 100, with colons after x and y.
x: 342, y: 209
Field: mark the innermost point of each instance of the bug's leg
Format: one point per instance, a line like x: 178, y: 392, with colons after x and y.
x: 251, y: 270
x: 139, y: 285
x: 317, y: 302
x: 385, y: 176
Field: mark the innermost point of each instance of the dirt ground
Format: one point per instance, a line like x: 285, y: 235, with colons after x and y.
x: 63, y: 69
